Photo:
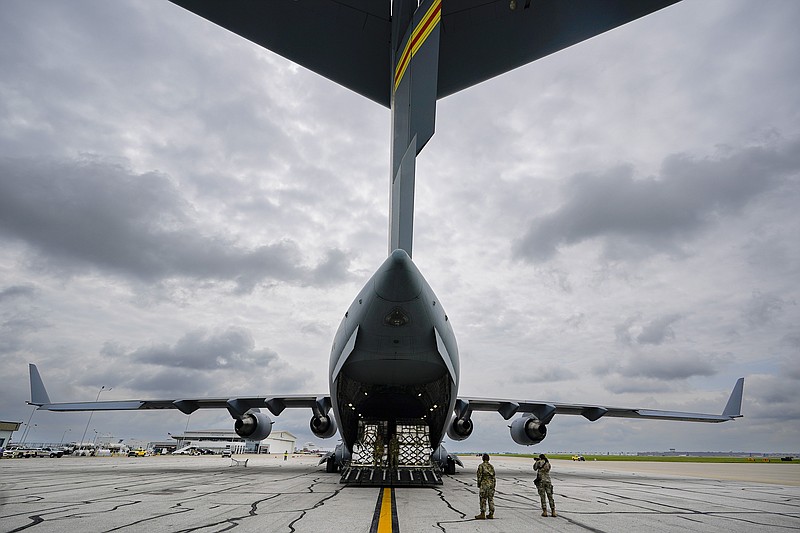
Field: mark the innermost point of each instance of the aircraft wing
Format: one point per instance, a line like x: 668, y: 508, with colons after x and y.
x: 237, y: 407
x: 349, y: 41
x: 545, y: 411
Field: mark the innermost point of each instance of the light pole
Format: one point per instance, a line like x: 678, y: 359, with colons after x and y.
x: 27, y: 433
x: 91, y: 413
x: 63, y: 435
x: 27, y: 426
x: 94, y: 442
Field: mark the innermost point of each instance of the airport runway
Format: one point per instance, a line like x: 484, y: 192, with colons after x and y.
x: 205, y: 494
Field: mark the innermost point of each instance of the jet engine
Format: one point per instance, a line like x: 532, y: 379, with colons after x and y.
x: 323, y: 426
x: 253, y: 425
x: 459, y: 428
x: 528, y: 430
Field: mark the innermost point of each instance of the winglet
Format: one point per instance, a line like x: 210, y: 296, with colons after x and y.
x: 38, y: 392
x: 733, y: 408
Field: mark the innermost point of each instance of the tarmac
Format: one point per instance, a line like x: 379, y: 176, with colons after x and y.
x: 213, y: 494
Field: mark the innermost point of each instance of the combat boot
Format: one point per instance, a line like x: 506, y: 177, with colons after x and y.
x: 552, y: 511
x: 481, y: 516
x: 544, y: 512
x: 490, y: 515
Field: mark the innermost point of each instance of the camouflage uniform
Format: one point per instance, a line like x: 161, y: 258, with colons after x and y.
x: 394, y: 452
x: 545, y: 486
x: 486, y: 483
x: 377, y: 453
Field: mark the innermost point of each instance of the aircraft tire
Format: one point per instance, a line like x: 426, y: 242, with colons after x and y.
x: 330, y: 466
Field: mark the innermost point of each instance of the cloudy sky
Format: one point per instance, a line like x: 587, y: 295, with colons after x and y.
x: 183, y: 213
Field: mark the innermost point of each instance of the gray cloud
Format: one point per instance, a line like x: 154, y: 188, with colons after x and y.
x: 664, y: 365
x: 658, y: 214
x: 671, y: 367
x: 623, y: 331
x: 202, y: 362
x: 626, y: 385
x: 656, y: 332
x: 18, y: 318
x: 15, y: 330
x: 659, y: 330
x: 772, y: 398
x: 92, y: 214
x: 544, y: 375
x: 233, y: 348
x: 762, y: 308
x: 15, y: 291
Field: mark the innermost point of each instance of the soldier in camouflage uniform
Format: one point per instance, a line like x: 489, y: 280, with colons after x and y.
x: 544, y: 485
x: 486, y: 483
x: 394, y: 452
x: 377, y: 452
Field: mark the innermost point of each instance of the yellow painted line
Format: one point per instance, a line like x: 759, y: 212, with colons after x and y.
x: 421, y: 32
x: 385, y: 520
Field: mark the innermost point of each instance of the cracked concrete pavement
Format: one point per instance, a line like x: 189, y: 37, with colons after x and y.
x: 205, y: 494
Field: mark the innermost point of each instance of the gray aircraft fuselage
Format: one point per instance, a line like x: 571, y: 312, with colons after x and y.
x: 394, y: 357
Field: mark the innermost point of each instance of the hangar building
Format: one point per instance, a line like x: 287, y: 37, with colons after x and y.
x: 220, y: 439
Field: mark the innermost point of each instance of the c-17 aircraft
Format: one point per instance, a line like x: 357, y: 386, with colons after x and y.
x: 394, y: 366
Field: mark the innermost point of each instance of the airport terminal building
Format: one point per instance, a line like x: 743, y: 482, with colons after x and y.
x: 221, y: 439
x: 6, y: 430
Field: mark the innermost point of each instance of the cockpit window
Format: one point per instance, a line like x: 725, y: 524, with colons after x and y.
x: 397, y: 317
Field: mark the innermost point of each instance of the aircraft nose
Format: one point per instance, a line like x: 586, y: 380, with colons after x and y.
x: 398, y: 279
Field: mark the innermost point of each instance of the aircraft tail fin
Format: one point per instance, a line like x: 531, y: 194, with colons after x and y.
x: 733, y: 408
x: 38, y: 392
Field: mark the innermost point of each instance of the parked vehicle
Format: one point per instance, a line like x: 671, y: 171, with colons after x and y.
x: 84, y: 450
x: 137, y: 453
x: 12, y: 452
x: 49, y: 452
x: 188, y: 450
x: 26, y: 452
x: 226, y: 453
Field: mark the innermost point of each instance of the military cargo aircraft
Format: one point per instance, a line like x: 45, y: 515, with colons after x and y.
x: 394, y: 364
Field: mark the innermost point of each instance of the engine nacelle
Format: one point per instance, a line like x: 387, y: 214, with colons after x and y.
x: 528, y: 430
x: 323, y: 427
x: 459, y: 428
x: 253, y: 425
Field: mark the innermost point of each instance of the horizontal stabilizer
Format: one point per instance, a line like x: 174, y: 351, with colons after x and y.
x: 350, y: 41
x: 346, y: 41
x: 482, y: 39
